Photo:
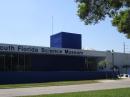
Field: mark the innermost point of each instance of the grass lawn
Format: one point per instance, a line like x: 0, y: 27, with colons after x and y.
x: 45, y: 84
x: 125, y: 92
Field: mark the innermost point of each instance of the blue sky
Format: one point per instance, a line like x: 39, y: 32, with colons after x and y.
x: 29, y: 22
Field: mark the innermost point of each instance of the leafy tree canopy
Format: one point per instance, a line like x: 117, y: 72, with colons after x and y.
x: 103, y: 63
x: 93, y: 11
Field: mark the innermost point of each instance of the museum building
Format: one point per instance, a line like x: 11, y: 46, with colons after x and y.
x: 64, y: 54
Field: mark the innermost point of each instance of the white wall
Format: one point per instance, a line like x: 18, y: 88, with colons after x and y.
x: 120, y: 59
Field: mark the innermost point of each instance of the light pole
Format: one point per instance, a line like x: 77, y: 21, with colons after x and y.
x: 113, y: 68
x: 113, y: 59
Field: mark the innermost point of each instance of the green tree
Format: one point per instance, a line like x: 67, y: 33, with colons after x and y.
x: 103, y: 64
x: 94, y: 11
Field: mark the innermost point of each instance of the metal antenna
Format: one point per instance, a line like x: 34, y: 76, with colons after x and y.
x: 52, y: 25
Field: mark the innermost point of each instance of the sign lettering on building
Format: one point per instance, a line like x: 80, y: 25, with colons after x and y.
x: 40, y: 50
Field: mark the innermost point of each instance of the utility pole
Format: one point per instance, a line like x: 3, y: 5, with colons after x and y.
x: 125, y: 58
x: 113, y: 57
x: 124, y: 47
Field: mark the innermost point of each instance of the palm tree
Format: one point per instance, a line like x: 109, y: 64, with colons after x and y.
x: 103, y: 64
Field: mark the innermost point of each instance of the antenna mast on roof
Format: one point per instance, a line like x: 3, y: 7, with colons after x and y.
x: 52, y: 25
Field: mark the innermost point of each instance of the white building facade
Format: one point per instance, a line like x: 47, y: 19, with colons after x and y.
x: 114, y: 59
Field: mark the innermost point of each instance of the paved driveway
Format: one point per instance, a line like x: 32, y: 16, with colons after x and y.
x: 106, y: 84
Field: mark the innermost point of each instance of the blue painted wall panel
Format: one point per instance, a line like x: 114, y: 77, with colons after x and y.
x: 31, y: 77
x: 66, y: 40
x: 56, y: 41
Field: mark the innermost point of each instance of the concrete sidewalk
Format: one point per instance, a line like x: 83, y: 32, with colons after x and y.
x: 105, y: 84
